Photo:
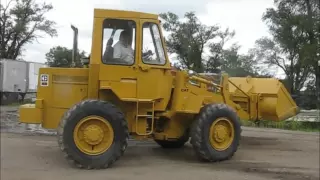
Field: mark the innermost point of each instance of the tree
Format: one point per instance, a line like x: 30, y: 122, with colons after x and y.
x: 217, y: 51
x: 270, y: 52
x: 294, y: 26
x: 188, y: 39
x: 236, y: 64
x: 59, y: 56
x: 230, y: 60
x: 21, y: 24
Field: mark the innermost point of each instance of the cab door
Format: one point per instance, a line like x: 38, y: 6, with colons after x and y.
x: 116, y: 74
x: 154, y: 74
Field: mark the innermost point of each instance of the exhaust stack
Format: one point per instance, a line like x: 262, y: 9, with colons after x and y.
x: 75, y: 47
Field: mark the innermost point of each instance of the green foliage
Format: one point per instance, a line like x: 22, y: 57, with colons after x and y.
x: 218, y: 54
x: 294, y: 26
x: 235, y: 64
x: 270, y: 52
x: 287, y: 125
x: 22, y: 23
x: 188, y: 39
x: 59, y: 56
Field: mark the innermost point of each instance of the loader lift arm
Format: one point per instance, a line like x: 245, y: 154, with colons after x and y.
x: 254, y: 103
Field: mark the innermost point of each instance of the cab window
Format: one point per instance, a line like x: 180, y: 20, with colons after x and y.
x: 118, y: 42
x: 152, y: 49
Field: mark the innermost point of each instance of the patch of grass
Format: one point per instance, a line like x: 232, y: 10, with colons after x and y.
x: 26, y: 101
x: 288, y: 125
x: 14, y: 104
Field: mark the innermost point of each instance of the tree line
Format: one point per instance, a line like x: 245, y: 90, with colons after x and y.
x: 294, y: 45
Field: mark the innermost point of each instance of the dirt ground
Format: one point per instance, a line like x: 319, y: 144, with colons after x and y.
x: 264, y: 154
x: 31, y: 153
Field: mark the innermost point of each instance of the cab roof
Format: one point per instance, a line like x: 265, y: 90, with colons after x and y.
x: 110, y: 13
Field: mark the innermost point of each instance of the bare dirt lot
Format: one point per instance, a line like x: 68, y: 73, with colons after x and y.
x: 263, y: 154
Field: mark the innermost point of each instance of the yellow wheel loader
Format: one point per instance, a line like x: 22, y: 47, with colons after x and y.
x: 128, y: 88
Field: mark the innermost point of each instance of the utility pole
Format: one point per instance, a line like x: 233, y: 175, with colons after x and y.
x: 318, y: 83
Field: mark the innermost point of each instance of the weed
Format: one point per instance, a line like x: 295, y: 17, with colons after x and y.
x: 295, y: 125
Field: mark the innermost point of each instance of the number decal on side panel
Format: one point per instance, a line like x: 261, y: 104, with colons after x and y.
x: 44, y: 80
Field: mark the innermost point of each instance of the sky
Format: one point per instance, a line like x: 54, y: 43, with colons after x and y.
x: 243, y: 16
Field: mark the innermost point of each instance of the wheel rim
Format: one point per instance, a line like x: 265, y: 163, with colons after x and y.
x: 93, y: 135
x: 221, y: 134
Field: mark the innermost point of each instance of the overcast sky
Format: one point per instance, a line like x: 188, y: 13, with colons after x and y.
x: 244, y: 16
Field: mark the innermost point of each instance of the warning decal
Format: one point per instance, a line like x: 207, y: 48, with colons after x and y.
x: 44, y: 80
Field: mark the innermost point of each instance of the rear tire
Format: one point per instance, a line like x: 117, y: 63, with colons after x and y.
x: 213, y: 142
x: 103, y: 115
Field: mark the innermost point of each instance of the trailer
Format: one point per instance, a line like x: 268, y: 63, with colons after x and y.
x: 33, y: 72
x: 18, y: 78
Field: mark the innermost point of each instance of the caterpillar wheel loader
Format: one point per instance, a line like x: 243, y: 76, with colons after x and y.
x: 128, y: 88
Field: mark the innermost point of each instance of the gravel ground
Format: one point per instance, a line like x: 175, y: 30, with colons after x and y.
x: 9, y: 123
x: 30, y: 153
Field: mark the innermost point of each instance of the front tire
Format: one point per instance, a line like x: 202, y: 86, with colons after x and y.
x: 93, y: 134
x: 216, y: 133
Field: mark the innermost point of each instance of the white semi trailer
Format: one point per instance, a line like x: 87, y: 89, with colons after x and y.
x: 18, y: 78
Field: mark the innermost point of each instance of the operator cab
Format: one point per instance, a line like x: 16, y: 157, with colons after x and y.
x: 119, y: 42
x: 128, y: 55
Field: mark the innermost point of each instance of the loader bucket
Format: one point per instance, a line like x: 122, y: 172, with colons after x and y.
x: 274, y: 102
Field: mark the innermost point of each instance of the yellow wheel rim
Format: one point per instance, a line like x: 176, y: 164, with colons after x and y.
x: 93, y: 135
x: 221, y: 134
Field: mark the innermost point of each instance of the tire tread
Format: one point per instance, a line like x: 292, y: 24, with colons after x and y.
x: 65, y: 148
x: 197, y: 135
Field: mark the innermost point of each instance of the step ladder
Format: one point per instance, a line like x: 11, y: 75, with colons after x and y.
x: 146, y: 116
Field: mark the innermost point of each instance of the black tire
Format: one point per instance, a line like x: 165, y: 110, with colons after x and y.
x: 173, y: 144
x: 83, y: 109
x: 201, y: 129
